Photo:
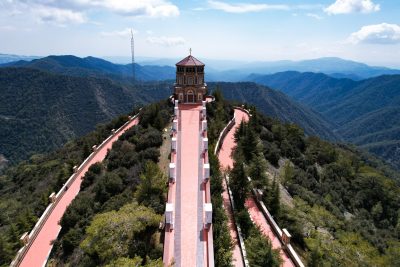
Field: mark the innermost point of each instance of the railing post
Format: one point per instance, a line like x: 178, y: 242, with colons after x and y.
x: 175, y: 125
x: 206, y: 168
x: 204, y: 125
x: 172, y: 173
x: 286, y: 237
x: 24, y: 239
x: 52, y: 197
x: 205, y: 144
x: 173, y: 143
x: 169, y: 215
x: 207, y: 215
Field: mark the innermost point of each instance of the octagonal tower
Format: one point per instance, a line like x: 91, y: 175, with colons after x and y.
x: 190, y: 86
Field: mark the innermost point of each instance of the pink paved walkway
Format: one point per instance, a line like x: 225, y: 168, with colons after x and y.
x: 258, y: 218
x: 38, y: 252
x: 189, y: 186
x: 226, y: 161
x: 188, y: 244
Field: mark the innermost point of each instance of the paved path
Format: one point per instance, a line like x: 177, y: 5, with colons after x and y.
x: 40, y: 249
x: 226, y: 161
x: 189, y: 250
x: 257, y: 217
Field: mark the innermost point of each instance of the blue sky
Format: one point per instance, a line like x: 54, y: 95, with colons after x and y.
x: 248, y: 30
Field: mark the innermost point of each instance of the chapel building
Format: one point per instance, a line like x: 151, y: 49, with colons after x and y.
x: 190, y: 86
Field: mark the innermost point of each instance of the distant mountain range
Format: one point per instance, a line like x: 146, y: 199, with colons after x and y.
x: 6, y: 58
x: 48, y: 101
x: 278, y: 105
x: 230, y: 70
x: 217, y: 70
x: 95, y: 67
x: 40, y: 111
x: 364, y: 112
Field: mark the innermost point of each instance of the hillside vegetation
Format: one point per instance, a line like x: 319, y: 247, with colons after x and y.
x: 340, y: 209
x: 276, y: 104
x: 364, y: 112
x: 125, y: 194
x: 40, y: 111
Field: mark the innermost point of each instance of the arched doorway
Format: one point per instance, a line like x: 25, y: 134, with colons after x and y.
x: 190, y: 96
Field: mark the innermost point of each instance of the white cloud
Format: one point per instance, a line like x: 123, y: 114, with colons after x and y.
x: 58, y: 16
x: 244, y: 7
x: 383, y: 33
x: 123, y: 33
x: 315, y: 16
x: 148, y: 8
x: 7, y: 28
x: 75, y: 11
x: 352, y: 6
x: 166, y: 41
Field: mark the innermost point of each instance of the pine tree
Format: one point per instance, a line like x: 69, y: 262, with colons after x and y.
x: 260, y: 252
x: 257, y: 172
x: 274, y: 204
x: 239, y: 185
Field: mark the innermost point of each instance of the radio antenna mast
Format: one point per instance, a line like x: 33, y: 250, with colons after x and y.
x: 133, y: 56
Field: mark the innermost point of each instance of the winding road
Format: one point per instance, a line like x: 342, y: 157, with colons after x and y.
x: 255, y: 214
x: 40, y: 248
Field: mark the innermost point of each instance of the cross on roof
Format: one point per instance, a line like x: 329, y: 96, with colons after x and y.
x: 190, y: 51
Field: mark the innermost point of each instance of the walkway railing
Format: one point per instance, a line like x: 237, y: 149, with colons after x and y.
x: 218, y: 146
x: 207, y: 206
x: 223, y: 133
x: 29, y: 239
x: 283, y: 235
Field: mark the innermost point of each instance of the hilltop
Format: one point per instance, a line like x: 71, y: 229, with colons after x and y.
x: 331, y: 199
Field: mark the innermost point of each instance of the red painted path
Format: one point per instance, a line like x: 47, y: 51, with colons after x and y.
x: 188, y: 244
x: 255, y: 214
x: 40, y: 249
x: 189, y: 186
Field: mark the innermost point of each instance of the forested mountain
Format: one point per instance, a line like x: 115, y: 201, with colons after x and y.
x: 340, y: 209
x: 337, y: 205
x: 40, y: 111
x: 278, y: 105
x: 364, y: 112
x: 91, y: 66
x: 115, y: 196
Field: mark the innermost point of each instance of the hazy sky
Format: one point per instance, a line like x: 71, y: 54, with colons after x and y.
x: 362, y: 30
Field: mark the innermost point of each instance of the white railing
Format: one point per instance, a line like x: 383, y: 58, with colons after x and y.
x: 288, y: 247
x: 218, y: 145
x: 277, y: 230
x: 223, y: 133
x: 238, y: 230
x: 39, y: 224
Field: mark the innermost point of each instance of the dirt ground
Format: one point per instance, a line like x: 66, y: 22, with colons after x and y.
x: 165, y: 150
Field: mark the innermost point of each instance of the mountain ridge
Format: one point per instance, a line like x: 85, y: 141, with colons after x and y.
x: 368, y: 107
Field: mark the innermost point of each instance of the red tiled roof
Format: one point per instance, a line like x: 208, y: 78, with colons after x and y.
x: 190, y: 61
